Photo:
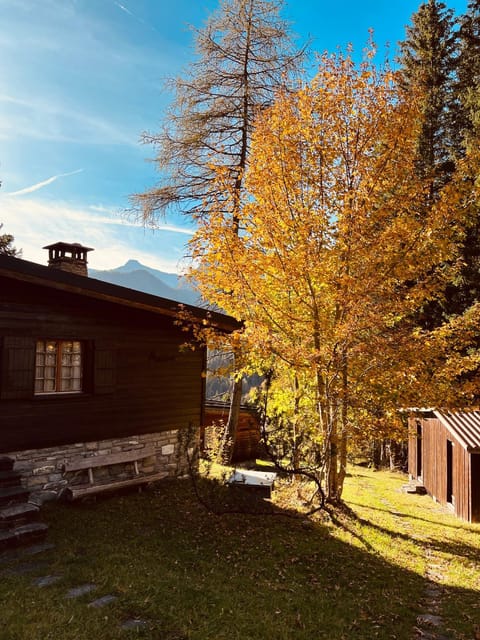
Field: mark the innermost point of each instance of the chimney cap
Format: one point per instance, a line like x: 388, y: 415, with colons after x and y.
x: 67, y: 245
x: 66, y: 256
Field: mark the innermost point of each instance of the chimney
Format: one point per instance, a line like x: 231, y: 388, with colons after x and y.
x: 68, y: 257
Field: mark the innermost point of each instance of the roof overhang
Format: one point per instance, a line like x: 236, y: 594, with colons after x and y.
x: 463, y: 424
x: 20, y: 270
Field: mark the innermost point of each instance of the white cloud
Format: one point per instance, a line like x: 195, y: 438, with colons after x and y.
x: 45, y: 119
x: 124, y: 220
x: 36, y: 223
x: 44, y: 183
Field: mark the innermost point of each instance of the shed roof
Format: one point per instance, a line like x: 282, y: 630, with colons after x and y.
x: 464, y: 425
x: 17, y: 269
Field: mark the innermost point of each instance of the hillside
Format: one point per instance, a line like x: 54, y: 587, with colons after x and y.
x: 135, y: 275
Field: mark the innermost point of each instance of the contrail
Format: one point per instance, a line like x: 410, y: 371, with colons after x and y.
x: 120, y: 6
x: 134, y: 15
x: 40, y: 185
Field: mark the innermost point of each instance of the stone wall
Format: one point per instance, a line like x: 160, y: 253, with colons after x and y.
x: 41, y: 469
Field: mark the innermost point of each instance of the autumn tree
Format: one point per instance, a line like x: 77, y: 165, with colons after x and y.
x: 335, y: 254
x: 244, y: 54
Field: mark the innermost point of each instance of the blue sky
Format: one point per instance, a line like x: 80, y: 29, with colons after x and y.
x: 81, y: 80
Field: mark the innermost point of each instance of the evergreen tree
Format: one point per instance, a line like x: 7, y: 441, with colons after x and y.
x: 445, y: 62
x: 427, y: 60
x: 467, y: 87
x: 6, y: 246
x: 466, y: 106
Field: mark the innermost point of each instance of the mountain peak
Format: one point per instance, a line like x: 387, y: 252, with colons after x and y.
x: 135, y: 275
x: 131, y: 265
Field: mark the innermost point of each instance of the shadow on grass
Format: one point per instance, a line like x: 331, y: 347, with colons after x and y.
x: 405, y: 515
x: 431, y: 542
x: 192, y: 575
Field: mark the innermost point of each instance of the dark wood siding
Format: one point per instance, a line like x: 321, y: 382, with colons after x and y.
x: 138, y: 378
x: 434, y: 445
x: 248, y: 429
x: 18, y: 355
x: 413, y: 444
x: 475, y: 484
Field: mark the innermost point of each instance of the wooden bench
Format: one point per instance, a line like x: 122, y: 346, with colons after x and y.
x: 93, y: 486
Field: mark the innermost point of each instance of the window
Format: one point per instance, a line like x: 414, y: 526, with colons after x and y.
x: 58, y: 366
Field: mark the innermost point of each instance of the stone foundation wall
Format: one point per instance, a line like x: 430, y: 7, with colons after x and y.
x: 41, y: 469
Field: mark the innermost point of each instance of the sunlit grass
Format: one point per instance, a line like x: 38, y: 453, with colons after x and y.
x: 359, y: 572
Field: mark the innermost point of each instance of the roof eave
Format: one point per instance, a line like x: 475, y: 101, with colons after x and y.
x: 22, y: 270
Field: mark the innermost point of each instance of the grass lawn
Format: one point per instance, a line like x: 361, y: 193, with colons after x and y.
x: 187, y: 574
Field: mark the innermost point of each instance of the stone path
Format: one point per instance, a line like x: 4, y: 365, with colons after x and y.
x: 430, y: 623
x: 19, y: 562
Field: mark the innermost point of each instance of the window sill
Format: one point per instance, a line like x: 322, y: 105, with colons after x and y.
x: 58, y: 395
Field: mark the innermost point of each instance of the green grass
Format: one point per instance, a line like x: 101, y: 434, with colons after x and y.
x: 360, y: 574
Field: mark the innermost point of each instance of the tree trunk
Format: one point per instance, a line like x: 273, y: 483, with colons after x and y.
x: 230, y: 433
x: 343, y: 462
x: 331, y: 451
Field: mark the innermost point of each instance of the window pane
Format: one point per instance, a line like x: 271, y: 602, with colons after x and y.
x: 51, y: 359
x: 50, y: 372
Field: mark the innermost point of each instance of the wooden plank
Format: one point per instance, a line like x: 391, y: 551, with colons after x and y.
x: 152, y: 386
x: 106, y: 460
x: 17, y: 374
x: 81, y: 491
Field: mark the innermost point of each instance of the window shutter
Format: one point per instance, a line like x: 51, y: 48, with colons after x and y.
x: 105, y: 360
x: 17, y: 368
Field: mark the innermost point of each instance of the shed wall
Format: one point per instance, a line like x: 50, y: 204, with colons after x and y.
x: 413, y: 445
x: 435, y: 469
x: 247, y: 440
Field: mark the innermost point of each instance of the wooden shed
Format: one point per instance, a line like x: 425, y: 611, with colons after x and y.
x: 84, y: 361
x: 247, y: 440
x: 444, y: 455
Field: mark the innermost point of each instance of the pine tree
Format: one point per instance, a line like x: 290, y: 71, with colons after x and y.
x: 467, y: 87
x: 427, y: 59
x: 6, y: 246
x: 466, y: 106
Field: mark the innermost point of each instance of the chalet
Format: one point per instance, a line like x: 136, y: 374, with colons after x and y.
x: 444, y: 455
x: 88, y: 368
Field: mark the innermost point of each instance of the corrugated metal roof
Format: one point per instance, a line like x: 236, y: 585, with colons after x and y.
x: 465, y: 425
